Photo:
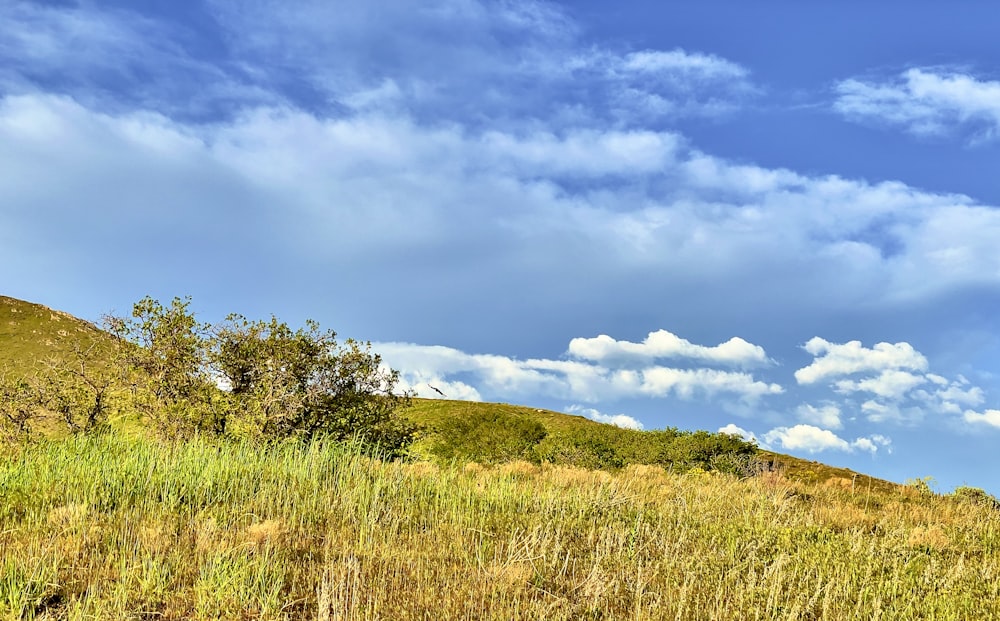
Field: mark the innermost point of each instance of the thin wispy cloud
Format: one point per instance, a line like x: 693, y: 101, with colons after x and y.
x: 926, y: 102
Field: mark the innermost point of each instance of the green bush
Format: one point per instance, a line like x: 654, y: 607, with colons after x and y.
x: 611, y: 448
x: 709, y: 451
x: 602, y: 448
x: 975, y: 495
x: 488, y: 437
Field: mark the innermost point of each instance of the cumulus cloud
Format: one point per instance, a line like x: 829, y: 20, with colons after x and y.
x: 925, y: 101
x: 814, y: 440
x: 872, y: 444
x: 568, y: 379
x: 895, y: 378
x: 826, y: 415
x: 664, y: 344
x: 888, y: 384
x: 618, y: 420
x: 990, y: 418
x: 833, y: 359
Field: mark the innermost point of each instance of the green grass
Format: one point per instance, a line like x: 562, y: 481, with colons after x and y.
x: 32, y: 333
x: 109, y: 527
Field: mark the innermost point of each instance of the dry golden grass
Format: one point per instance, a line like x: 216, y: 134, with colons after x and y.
x: 113, y: 528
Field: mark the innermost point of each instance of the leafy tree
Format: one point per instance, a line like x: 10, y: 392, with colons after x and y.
x: 162, y: 356
x: 303, y: 383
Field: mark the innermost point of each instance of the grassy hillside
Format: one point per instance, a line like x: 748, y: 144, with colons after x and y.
x: 432, y: 413
x: 120, y: 526
x: 31, y: 333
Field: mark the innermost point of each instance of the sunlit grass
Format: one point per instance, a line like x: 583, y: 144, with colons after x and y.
x: 125, y: 528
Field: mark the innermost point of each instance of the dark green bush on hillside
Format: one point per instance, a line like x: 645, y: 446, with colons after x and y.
x: 611, y: 448
x: 976, y: 496
x: 709, y: 451
x: 489, y: 437
x: 604, y: 448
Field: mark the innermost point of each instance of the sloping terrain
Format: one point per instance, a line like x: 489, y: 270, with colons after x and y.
x: 431, y: 413
x: 32, y: 333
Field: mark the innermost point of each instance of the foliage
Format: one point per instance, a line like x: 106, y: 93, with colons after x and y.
x: 80, y: 390
x: 709, y: 451
x: 609, y: 447
x: 976, y: 496
x: 256, y: 379
x: 162, y: 354
x: 488, y: 437
x: 923, y: 486
x: 283, y: 383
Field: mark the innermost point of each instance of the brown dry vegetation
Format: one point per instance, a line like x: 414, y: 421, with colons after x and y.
x: 109, y: 528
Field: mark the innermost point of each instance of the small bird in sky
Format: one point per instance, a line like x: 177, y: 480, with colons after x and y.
x: 436, y: 389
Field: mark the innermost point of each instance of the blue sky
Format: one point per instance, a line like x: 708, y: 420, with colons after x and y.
x: 774, y: 218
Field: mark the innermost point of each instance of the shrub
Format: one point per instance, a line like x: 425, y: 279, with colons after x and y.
x: 976, y: 496
x: 489, y: 437
x: 257, y: 379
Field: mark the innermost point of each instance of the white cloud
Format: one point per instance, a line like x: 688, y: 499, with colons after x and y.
x: 664, y: 344
x: 973, y: 395
x: 618, y: 420
x: 925, y: 102
x: 890, y: 384
x: 509, y: 377
x: 806, y: 438
x: 878, y: 412
x: 989, y: 417
x: 826, y: 415
x: 814, y: 440
x: 833, y: 359
x: 685, y: 383
x: 699, y: 66
x: 872, y: 444
x: 738, y: 431
x: 902, y: 396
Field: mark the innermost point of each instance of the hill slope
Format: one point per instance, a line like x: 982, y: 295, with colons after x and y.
x: 31, y: 333
x: 432, y: 413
